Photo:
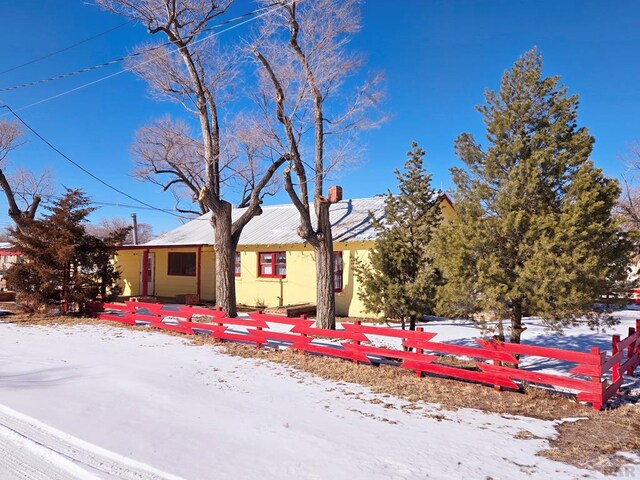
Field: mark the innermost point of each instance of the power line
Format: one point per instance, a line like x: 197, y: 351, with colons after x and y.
x: 120, y: 72
x: 77, y: 165
x: 62, y: 50
x: 102, y: 204
x: 123, y: 58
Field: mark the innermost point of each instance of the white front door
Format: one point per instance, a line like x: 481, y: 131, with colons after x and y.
x: 151, y: 271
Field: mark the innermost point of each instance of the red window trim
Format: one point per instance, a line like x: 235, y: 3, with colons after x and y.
x: 336, y: 288
x: 182, y: 274
x: 273, y: 265
x: 238, y: 262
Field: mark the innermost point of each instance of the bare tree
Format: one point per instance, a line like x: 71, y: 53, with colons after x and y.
x: 167, y: 155
x: 629, y: 203
x: 303, y: 64
x: 23, y: 189
x: 193, y: 72
x: 106, y: 227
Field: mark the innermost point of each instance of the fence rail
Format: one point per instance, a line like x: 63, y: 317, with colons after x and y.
x: 493, y: 362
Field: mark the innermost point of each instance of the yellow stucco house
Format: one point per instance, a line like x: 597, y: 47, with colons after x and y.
x: 274, y: 267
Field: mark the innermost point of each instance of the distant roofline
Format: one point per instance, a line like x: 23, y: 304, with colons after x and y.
x: 145, y: 246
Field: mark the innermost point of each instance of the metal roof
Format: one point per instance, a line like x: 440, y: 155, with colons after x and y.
x: 278, y: 224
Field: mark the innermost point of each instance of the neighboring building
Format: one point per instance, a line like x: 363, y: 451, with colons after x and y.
x: 8, y: 256
x: 274, y: 267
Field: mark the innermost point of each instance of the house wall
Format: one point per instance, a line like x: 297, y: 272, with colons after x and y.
x: 8, y: 258
x: 448, y: 212
x: 299, y: 285
x: 130, y: 263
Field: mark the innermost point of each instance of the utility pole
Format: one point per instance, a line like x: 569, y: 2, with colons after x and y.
x: 134, y: 221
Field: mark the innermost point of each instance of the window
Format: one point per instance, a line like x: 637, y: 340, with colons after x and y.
x: 273, y: 264
x: 238, y: 264
x: 338, y: 268
x: 182, y: 264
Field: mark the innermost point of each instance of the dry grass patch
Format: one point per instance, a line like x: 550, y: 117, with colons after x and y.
x: 451, y: 361
x: 595, y: 442
x: 405, y: 384
x: 27, y: 319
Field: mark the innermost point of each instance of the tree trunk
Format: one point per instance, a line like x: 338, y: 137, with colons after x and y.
x: 516, y: 323
x: 225, y: 260
x: 103, y: 283
x: 65, y: 289
x: 18, y: 216
x: 326, y: 297
x: 516, y: 329
x: 500, y: 336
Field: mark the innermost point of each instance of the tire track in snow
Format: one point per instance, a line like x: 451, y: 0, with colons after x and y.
x: 32, y: 450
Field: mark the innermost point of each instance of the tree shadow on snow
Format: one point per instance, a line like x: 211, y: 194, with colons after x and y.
x: 44, y: 377
x: 580, y: 342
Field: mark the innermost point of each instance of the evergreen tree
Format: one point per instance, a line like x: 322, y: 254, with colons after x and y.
x: 399, y: 279
x: 63, y: 264
x: 535, y: 233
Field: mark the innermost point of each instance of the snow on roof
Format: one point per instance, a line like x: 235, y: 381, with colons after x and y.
x: 278, y: 224
x: 6, y: 246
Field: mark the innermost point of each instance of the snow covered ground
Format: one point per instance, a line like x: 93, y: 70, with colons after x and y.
x: 103, y: 402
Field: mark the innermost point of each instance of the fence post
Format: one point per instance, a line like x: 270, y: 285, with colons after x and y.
x: 497, y: 363
x: 597, y: 379
x: 630, y: 351
x: 219, y: 339
x: 303, y: 317
x: 258, y: 344
x: 131, y: 313
x: 357, y: 342
x: 419, y: 351
x: 637, y: 344
x: 615, y: 370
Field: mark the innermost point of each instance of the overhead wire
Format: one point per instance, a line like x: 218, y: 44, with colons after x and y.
x: 62, y: 50
x: 125, y: 57
x: 120, y: 72
x: 13, y: 112
x: 80, y: 167
x: 50, y: 197
x: 95, y: 177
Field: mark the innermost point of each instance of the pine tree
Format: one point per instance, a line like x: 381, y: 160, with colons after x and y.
x: 63, y: 264
x: 535, y: 234
x: 399, y: 279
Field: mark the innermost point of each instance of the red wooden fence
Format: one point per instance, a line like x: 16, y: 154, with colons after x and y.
x: 420, y: 351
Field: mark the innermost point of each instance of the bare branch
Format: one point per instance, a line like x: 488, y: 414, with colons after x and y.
x: 166, y: 154
x: 23, y: 189
x: 628, y: 206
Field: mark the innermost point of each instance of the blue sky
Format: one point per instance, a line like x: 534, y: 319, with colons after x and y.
x: 438, y: 56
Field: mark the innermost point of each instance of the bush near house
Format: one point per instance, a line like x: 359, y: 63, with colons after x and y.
x: 63, y: 264
x: 399, y: 280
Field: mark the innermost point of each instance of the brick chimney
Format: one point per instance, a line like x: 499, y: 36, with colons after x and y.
x: 335, y: 193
